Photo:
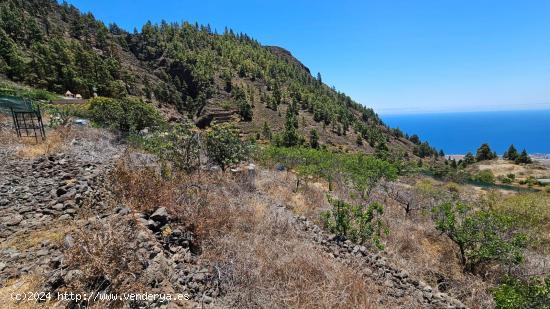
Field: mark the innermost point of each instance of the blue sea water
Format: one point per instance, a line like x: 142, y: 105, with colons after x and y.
x: 458, y: 133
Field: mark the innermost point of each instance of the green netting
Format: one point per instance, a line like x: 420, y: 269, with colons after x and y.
x: 16, y: 104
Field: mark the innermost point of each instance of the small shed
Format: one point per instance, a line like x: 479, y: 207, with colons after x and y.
x: 69, y: 94
x: 78, y: 96
x: 544, y: 181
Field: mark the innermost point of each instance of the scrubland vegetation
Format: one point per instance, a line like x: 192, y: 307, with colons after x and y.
x: 447, y: 222
x: 492, y: 241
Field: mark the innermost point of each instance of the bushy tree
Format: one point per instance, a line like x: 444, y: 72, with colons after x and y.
x: 126, y: 115
x: 381, y: 151
x: 481, y: 235
x: 359, y: 140
x: 178, y: 145
x: 415, y: 139
x: 223, y: 145
x: 245, y: 110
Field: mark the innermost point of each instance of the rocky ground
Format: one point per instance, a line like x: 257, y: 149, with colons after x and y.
x: 53, y: 207
x: 39, y: 194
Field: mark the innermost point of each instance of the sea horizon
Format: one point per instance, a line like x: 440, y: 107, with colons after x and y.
x: 460, y: 132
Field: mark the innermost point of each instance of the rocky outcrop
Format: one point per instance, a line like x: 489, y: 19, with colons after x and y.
x: 285, y: 54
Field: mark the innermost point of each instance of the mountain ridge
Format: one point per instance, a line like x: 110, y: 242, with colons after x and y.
x: 186, y: 70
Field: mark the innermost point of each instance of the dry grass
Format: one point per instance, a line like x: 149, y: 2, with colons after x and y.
x: 55, y: 142
x: 143, y: 190
x: 308, y: 200
x: 188, y: 198
x: 266, y: 264
x: 504, y: 167
x: 262, y: 261
x: 104, y: 253
x: 28, y: 239
x: 413, y: 244
x: 267, y: 272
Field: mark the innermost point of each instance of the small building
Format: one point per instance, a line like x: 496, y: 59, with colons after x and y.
x: 78, y: 96
x: 543, y: 182
x: 69, y: 94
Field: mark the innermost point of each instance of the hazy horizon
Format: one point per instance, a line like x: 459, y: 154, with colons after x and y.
x: 404, y: 112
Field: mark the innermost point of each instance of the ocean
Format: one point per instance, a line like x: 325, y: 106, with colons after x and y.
x: 458, y: 133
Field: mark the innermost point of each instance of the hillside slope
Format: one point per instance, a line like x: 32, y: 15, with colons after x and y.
x: 189, y: 71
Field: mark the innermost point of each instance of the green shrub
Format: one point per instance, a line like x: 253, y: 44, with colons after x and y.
x: 532, y: 214
x: 40, y: 94
x: 513, y: 293
x: 358, y: 223
x: 481, y: 235
x: 485, y: 176
x: 223, y: 145
x: 177, y: 145
x: 506, y: 180
x: 126, y: 115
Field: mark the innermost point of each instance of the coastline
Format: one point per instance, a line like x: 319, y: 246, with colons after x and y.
x: 542, y: 158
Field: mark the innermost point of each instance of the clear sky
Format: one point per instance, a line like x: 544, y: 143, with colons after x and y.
x: 397, y: 56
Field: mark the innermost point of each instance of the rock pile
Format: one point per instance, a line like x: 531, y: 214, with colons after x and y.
x: 35, y: 194
x: 175, y: 249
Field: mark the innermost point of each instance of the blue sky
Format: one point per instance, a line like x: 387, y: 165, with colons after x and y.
x: 396, y: 56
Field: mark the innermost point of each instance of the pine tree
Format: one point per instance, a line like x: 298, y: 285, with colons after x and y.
x: 290, y: 135
x: 245, y: 110
x: 484, y: 152
x: 524, y: 158
x: 314, y: 139
x: 511, y: 154
x: 266, y: 131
